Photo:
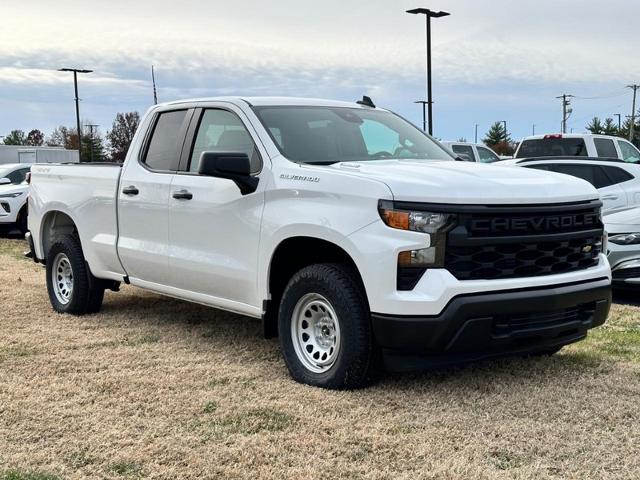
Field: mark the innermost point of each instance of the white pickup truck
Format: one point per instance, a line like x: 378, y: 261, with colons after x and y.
x: 352, y: 234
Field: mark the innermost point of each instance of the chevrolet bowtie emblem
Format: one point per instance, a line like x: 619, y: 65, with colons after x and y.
x: 587, y: 249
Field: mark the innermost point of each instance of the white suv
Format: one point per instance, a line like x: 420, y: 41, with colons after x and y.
x: 616, y: 181
x: 578, y: 145
x: 13, y: 195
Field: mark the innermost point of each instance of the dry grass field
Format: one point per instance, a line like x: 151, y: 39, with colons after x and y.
x: 157, y: 388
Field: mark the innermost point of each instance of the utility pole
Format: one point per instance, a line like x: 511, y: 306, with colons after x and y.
x: 428, y: 14
x: 506, y: 135
x: 533, y: 129
x: 76, y: 71
x: 476, y: 137
x: 91, y: 127
x: 153, y: 79
x: 632, y: 126
x: 565, y: 110
x: 619, y: 120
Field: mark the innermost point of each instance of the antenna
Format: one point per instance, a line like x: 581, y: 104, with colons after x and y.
x: 366, y: 101
x: 153, y: 79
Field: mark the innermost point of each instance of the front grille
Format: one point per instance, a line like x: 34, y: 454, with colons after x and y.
x: 5, y: 206
x: 528, y: 259
x: 524, y: 241
x: 625, y: 273
x: 507, y: 324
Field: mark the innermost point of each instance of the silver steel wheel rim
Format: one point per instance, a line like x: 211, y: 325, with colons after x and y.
x: 315, y: 331
x: 62, y: 278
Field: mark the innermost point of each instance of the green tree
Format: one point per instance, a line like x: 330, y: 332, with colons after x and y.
x: 595, y: 126
x: 121, y: 134
x: 610, y: 127
x: 93, y: 148
x: 498, y: 139
x: 35, y: 138
x: 15, y: 137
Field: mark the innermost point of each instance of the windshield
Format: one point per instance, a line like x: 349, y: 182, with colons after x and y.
x: 552, y: 147
x: 326, y: 135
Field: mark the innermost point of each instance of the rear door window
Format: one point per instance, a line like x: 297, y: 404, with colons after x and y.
x: 605, y: 148
x: 617, y: 175
x: 552, y: 147
x: 464, y: 150
x: 163, y: 152
x: 594, y: 174
x: 629, y: 152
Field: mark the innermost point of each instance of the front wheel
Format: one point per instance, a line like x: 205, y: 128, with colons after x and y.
x: 325, y: 329
x: 71, y: 286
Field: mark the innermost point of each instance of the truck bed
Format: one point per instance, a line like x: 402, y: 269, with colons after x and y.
x: 87, y: 193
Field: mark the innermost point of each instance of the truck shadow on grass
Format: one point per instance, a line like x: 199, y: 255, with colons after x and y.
x: 204, y: 329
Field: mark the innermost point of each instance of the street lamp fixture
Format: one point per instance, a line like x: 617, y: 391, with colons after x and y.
x: 428, y: 15
x: 76, y: 71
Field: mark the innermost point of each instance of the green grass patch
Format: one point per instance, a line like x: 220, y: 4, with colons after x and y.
x: 15, y: 351
x: 210, y: 407
x: 27, y: 475
x: 127, y: 469
x: 251, y: 422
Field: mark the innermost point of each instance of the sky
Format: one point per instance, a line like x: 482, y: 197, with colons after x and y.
x: 492, y: 60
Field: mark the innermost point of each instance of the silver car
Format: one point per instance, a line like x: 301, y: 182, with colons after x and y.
x: 623, y: 228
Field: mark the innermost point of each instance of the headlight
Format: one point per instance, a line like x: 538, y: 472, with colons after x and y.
x: 435, y: 224
x: 417, y: 221
x: 625, y: 238
x: 11, y: 195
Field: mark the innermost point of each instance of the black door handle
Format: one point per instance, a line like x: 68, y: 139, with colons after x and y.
x: 182, y: 195
x: 130, y: 190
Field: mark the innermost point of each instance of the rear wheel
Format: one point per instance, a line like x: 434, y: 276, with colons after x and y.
x: 325, y: 329
x: 71, y: 286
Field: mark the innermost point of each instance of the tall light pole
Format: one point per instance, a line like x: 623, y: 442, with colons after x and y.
x: 428, y: 14
x: 533, y: 129
x: 76, y: 71
x: 619, y: 115
x: 632, y: 125
x: 504, y: 122
x: 476, y: 136
x: 424, y: 114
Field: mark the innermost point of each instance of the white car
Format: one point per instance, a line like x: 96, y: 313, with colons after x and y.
x: 350, y: 232
x: 472, y: 152
x: 618, y: 182
x: 623, y: 228
x: 13, y: 196
x: 577, y: 145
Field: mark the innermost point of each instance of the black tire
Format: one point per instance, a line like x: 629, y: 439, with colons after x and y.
x: 357, y: 362
x: 87, y: 292
x: 22, y: 223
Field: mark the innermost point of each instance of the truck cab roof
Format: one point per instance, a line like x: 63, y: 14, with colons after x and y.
x: 274, y: 101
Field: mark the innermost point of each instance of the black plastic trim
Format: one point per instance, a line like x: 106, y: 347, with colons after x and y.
x: 465, y: 324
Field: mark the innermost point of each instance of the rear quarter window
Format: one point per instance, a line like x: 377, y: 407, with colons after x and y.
x: 605, y: 148
x: 552, y: 147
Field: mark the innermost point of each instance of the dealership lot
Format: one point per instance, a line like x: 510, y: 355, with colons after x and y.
x: 158, y: 388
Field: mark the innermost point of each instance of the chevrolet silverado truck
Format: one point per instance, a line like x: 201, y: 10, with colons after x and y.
x: 352, y: 234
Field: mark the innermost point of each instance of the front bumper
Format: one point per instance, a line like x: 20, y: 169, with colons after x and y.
x: 496, y: 323
x: 625, y: 263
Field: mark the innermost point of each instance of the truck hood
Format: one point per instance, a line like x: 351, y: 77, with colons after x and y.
x: 470, y: 183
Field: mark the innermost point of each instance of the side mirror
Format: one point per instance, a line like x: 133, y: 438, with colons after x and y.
x: 5, y: 181
x: 231, y: 165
